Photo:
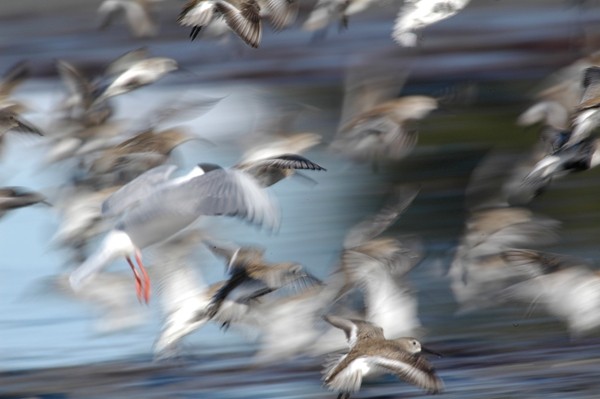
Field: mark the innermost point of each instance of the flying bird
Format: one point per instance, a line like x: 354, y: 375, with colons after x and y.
x: 244, y: 19
x: 153, y: 212
x: 370, y: 352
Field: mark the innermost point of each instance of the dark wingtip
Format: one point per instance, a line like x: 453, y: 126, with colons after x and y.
x: 208, y: 167
x: 591, y: 75
x: 304, y: 163
x: 195, y: 32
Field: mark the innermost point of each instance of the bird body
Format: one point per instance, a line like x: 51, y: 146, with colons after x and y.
x: 370, y: 352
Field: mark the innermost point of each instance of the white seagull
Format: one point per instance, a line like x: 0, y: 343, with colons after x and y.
x: 153, y: 209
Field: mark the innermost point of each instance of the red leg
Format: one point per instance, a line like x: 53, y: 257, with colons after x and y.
x: 138, y: 280
x: 146, y: 278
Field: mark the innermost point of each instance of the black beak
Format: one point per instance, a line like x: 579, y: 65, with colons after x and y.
x: 426, y: 350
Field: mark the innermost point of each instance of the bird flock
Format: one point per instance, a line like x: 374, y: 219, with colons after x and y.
x: 127, y: 200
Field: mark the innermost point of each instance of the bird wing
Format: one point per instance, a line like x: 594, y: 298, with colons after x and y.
x: 141, y: 23
x: 286, y: 161
x: 137, y: 189
x: 126, y: 61
x: 412, y: 368
x: 219, y: 192
x: 183, y: 110
x: 77, y: 85
x: 245, y: 22
x: 18, y: 124
x: 344, y: 373
x: 282, y: 12
x: 402, y: 197
x: 13, y: 77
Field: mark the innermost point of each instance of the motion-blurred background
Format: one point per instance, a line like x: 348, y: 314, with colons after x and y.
x: 484, y: 67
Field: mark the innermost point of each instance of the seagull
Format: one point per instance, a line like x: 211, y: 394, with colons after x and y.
x: 151, y: 213
x: 371, y: 352
x: 244, y: 19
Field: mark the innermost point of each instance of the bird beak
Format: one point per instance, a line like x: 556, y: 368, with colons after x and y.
x: 426, y: 350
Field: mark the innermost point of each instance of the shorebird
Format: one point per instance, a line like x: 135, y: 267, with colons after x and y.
x: 326, y: 11
x: 138, y: 14
x: 138, y: 74
x: 587, y: 116
x: 18, y: 197
x: 582, y: 155
x: 417, y: 14
x: 151, y: 146
x: 10, y: 120
x: 567, y: 287
x: 184, y: 295
x: 153, y: 212
x: 243, y: 18
x: 370, y: 352
x: 382, y: 132
x: 479, y: 272
x: 251, y: 276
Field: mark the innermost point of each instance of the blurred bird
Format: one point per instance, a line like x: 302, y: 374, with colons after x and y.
x: 183, y: 293
x: 18, y: 197
x: 382, y: 132
x: 243, y: 18
x: 560, y: 96
x: 138, y: 14
x: 140, y: 73
x: 417, y: 14
x: 80, y: 215
x: 251, y: 275
x: 153, y: 214
x: 12, y: 78
x: 377, y: 267
x: 370, y: 353
x: 10, y: 120
x: 581, y: 156
x: 587, y: 117
x: 80, y: 103
x: 567, y: 287
x: 479, y: 272
x: 327, y: 11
